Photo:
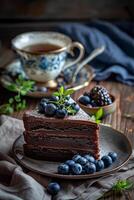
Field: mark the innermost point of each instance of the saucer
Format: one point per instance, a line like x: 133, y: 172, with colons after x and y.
x: 39, y: 90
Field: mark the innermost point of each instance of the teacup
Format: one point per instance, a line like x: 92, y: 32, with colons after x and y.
x: 44, y: 54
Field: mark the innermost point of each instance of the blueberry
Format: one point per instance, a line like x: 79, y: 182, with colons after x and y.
x: 113, y: 155
x: 41, y: 107
x: 70, y: 163
x: 53, y: 188
x: 99, y: 165
x: 67, y: 103
x: 107, y: 161
x: 54, y: 98
x: 76, y: 157
x: 44, y: 100
x: 90, y: 158
x: 82, y: 161
x: 63, y: 169
x: 93, y: 103
x: 77, y: 169
x: 89, y: 168
x: 75, y: 106
x: 85, y: 100
x: 50, y: 110
x: 61, y: 113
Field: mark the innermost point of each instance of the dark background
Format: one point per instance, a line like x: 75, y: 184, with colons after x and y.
x: 67, y: 9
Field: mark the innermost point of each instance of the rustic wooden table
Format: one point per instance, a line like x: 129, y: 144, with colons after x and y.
x: 125, y: 104
x: 124, y: 94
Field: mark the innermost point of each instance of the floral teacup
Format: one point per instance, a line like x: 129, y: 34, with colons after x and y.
x: 46, y: 63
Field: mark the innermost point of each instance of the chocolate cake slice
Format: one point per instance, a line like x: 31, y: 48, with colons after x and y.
x: 49, y: 138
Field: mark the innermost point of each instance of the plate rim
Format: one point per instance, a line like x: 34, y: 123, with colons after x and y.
x: 77, y: 177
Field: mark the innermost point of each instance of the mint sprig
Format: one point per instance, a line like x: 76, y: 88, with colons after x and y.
x: 17, y: 103
x: 63, y: 94
x: 118, y: 188
x: 97, y: 117
x: 122, y: 185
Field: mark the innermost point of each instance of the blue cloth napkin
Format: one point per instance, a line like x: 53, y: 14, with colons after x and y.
x: 117, y: 61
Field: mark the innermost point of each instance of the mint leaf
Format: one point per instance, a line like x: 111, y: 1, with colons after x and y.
x: 93, y: 118
x: 123, y: 185
x: 17, y: 98
x: 68, y: 92
x: 11, y: 100
x: 99, y: 114
x: 6, y: 109
x: 56, y: 94
x: 61, y: 90
x: 12, y: 87
x: 98, y: 121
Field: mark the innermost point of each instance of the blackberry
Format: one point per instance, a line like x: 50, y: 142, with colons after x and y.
x: 100, y: 96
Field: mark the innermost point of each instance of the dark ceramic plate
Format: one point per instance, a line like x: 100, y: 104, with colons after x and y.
x: 14, y: 69
x: 107, y: 143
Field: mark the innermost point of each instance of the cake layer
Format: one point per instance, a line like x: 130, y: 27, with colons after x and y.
x: 33, y: 120
x: 59, y: 141
x: 60, y: 154
x: 54, y: 139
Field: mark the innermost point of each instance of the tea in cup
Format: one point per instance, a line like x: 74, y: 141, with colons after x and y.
x: 44, y: 54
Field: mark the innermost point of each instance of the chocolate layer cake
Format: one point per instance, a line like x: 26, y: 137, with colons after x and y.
x: 54, y: 139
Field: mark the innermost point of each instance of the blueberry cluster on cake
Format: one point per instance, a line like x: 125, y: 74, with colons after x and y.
x: 58, y: 129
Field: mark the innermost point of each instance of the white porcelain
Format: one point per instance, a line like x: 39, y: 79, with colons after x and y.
x: 46, y: 66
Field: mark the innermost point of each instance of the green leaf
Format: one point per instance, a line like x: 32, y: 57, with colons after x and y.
x: 61, y: 90
x: 56, y: 94
x: 98, y: 121
x: 6, y: 109
x: 123, y: 185
x: 12, y: 87
x: 11, y: 100
x: 19, y: 106
x: 17, y: 98
x: 93, y: 118
x: 68, y: 92
x: 99, y: 114
x: 23, y: 92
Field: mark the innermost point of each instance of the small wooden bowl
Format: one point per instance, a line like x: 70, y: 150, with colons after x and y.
x: 107, y: 109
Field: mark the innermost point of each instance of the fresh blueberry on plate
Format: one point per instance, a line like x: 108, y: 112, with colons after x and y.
x: 99, y: 165
x: 82, y: 161
x: 113, y: 155
x: 63, y: 169
x: 50, y: 110
x: 76, y: 157
x: 85, y: 100
x: 90, y: 158
x: 77, y: 169
x: 107, y: 161
x: 61, y: 113
x: 53, y: 188
x: 89, y: 168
